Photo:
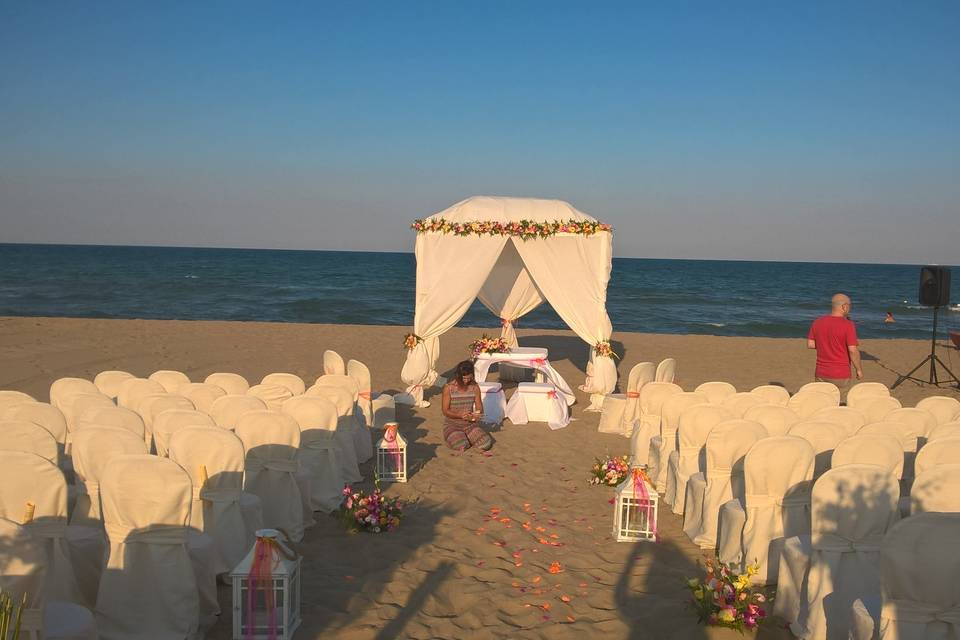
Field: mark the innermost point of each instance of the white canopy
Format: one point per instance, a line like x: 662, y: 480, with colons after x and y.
x: 512, y: 270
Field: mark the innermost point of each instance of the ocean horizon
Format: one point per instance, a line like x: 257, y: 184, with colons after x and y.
x: 651, y: 295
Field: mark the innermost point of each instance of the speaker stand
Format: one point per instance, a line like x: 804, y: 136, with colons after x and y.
x: 934, y: 360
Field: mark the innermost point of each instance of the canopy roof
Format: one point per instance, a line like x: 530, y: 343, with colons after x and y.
x: 505, y: 209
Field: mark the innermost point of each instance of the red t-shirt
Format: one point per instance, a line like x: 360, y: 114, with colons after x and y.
x: 833, y: 335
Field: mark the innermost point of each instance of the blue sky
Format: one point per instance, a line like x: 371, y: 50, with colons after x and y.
x: 750, y: 130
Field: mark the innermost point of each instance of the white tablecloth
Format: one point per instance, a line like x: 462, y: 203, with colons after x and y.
x: 532, y: 357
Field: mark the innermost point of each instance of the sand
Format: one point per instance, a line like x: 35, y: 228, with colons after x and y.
x: 453, y: 570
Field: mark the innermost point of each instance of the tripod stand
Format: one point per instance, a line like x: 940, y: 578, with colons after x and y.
x: 933, y: 359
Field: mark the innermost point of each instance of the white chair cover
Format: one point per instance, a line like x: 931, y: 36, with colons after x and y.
x: 862, y: 390
x: 149, y: 581
x: 108, y: 382
x: 155, y: 404
x: 776, y: 419
x: 319, y: 452
x: 942, y: 451
x: 945, y: 430
x: 847, y: 417
x: 44, y: 414
x: 26, y: 477
x: 937, y: 489
x: 171, y: 380
x: 113, y: 417
x: 647, y: 427
x: 271, y: 441
x: 823, y: 437
x: 291, y: 381
x: 876, y: 408
x: 362, y: 441
x: 852, y: 507
x: 664, y: 426
x: 945, y: 408
x: 75, y: 405
x: 716, y: 391
x: 345, y: 438
x: 777, y: 475
x: 231, y: 383
x: 666, y: 371
x: 220, y: 508
x: 619, y: 410
x: 828, y: 388
x: 721, y: 480
x: 12, y: 398
x: 22, y: 435
x: 202, y: 394
x: 93, y: 448
x: 918, y: 569
x: 921, y: 421
x: 884, y: 451
x: 273, y: 395
x: 739, y: 403
x: 64, y: 387
x: 906, y: 436
x: 773, y: 394
x: 333, y: 363
x: 494, y: 402
x: 227, y: 410
x: 23, y: 571
x: 133, y: 390
x: 695, y: 424
x: 172, y: 421
x: 807, y: 403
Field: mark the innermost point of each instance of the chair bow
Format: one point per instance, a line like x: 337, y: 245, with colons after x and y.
x: 156, y: 534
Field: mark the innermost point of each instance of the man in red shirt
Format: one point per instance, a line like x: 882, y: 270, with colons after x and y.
x: 835, y: 339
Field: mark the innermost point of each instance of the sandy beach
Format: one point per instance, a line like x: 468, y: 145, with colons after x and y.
x: 472, y: 558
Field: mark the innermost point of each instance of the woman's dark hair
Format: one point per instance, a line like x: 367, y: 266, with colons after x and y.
x: 462, y: 369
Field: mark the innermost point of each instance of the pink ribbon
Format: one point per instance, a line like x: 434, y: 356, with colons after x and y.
x: 640, y: 489
x: 633, y: 394
x: 504, y: 322
x: 552, y: 395
x: 390, y: 437
x: 536, y: 362
x: 367, y: 395
x: 266, y: 552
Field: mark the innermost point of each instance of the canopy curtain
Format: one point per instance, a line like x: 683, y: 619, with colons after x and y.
x: 449, y: 278
x: 509, y: 292
x: 572, y: 271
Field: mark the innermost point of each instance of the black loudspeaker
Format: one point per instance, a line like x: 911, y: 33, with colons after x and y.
x: 934, y: 286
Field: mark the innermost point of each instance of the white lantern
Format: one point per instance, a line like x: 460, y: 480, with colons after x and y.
x: 391, y: 455
x: 266, y: 590
x: 635, y: 509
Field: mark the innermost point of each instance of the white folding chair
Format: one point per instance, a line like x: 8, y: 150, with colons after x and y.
x: 171, y: 380
x: 716, y: 391
x: 231, y: 383
x: 319, y: 450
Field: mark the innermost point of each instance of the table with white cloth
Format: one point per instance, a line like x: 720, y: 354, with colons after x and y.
x: 530, y: 357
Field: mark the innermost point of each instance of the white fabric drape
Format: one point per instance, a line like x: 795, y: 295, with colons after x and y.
x: 569, y: 271
x: 509, y: 292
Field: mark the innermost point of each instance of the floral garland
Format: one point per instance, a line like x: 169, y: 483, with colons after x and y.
x: 604, y: 349
x: 610, y: 471
x: 525, y: 229
x: 725, y: 598
x: 486, y: 344
x: 411, y: 340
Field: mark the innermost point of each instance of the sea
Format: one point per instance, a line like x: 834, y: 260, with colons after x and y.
x: 715, y: 297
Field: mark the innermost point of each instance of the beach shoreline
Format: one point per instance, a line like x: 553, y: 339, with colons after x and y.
x: 462, y: 564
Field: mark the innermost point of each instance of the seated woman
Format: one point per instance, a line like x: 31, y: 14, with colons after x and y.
x: 462, y: 410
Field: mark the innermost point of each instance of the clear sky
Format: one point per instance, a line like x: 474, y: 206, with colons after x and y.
x: 746, y: 130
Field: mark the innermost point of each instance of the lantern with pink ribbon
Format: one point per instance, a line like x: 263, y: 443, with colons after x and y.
x: 392, y: 455
x: 635, y: 509
x: 266, y: 590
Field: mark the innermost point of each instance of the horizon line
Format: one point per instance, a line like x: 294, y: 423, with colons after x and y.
x: 616, y: 257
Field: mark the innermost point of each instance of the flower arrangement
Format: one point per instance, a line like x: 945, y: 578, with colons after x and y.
x: 725, y: 599
x: 486, y: 344
x: 372, y: 512
x: 610, y: 471
x: 604, y: 349
x: 525, y: 229
x: 411, y: 340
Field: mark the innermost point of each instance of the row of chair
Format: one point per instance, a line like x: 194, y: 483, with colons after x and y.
x: 739, y: 468
x: 268, y: 454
